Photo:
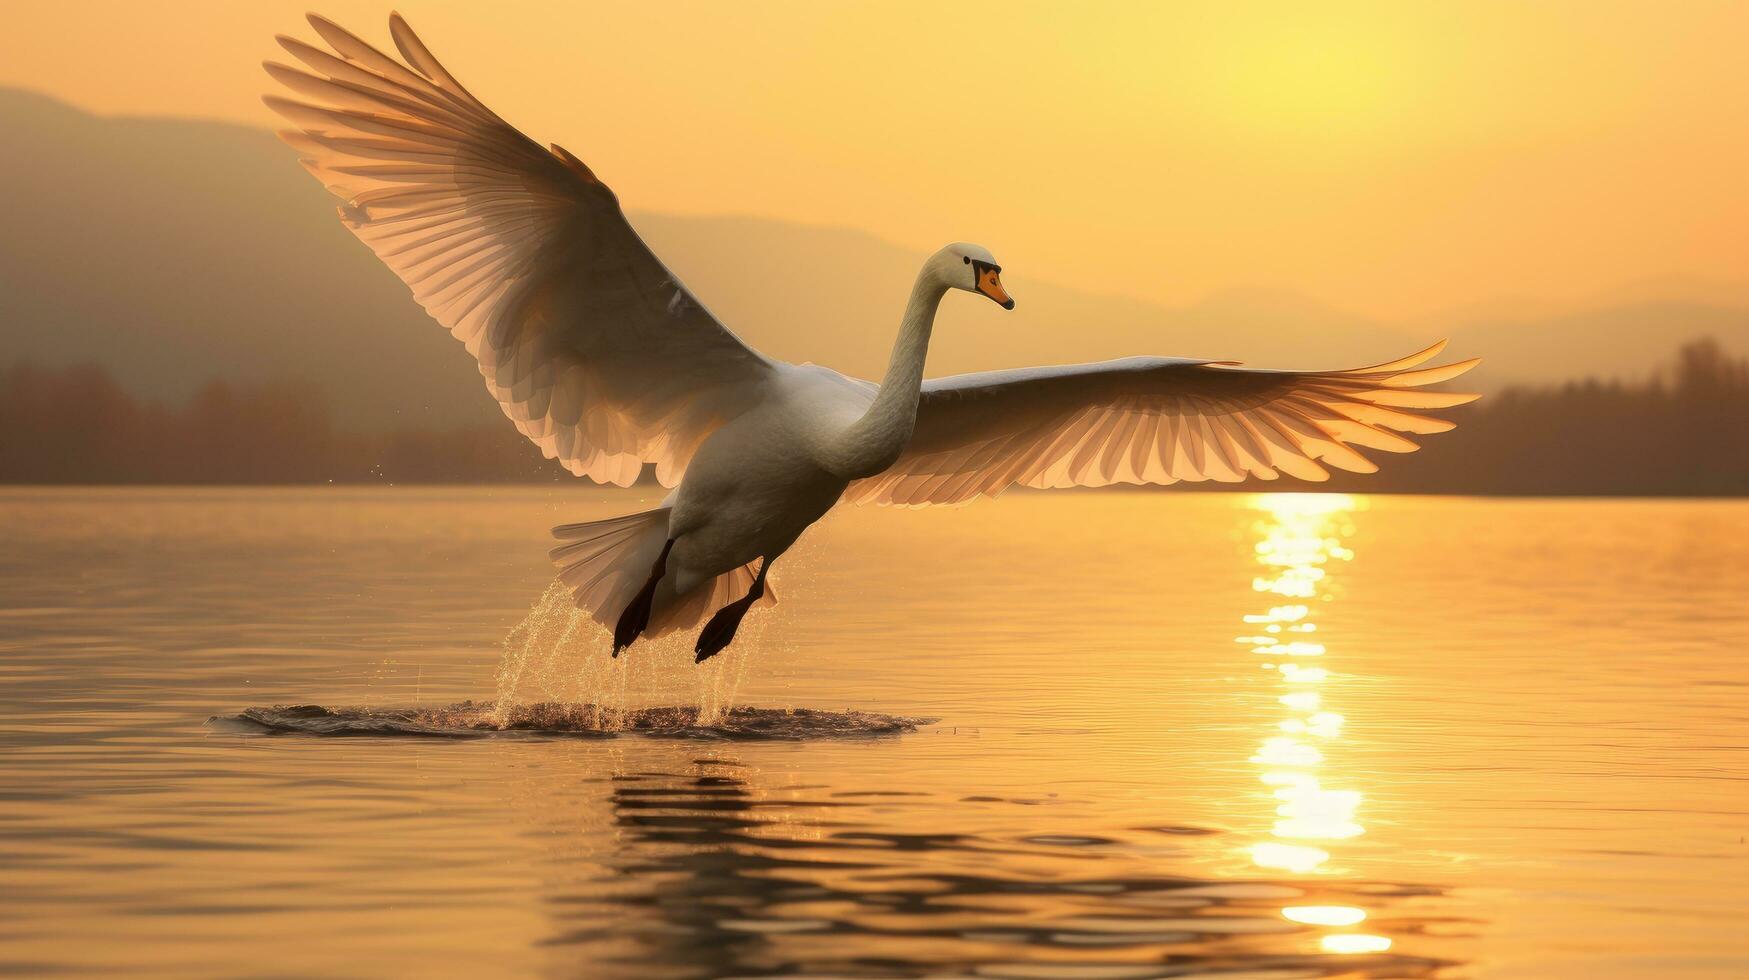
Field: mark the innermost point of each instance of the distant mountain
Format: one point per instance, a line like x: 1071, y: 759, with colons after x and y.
x: 1623, y: 342
x: 834, y: 296
x: 174, y: 251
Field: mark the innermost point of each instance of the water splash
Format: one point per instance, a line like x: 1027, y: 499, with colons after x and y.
x: 557, y: 677
x: 474, y: 719
x: 558, y: 655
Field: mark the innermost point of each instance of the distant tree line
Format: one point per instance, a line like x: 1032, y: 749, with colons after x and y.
x: 1685, y: 430
x: 1682, y: 431
x: 77, y: 425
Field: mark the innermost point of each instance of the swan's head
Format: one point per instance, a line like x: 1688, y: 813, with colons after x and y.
x: 972, y: 268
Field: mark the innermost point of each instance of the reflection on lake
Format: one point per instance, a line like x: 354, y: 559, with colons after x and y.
x: 1456, y: 738
x: 1299, y: 537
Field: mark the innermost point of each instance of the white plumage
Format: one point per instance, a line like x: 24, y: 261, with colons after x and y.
x: 602, y: 358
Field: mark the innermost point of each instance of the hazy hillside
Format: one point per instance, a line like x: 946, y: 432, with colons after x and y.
x: 173, y: 252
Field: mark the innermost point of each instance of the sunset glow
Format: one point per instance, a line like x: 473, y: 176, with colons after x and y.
x: 1159, y: 151
x: 692, y: 489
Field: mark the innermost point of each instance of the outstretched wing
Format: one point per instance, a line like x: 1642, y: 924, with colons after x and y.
x: 591, y: 347
x: 1155, y: 420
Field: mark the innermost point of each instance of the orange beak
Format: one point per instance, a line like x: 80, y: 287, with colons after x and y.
x: 990, y: 284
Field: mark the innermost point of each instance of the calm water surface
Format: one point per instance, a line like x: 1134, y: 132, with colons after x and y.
x: 1179, y: 735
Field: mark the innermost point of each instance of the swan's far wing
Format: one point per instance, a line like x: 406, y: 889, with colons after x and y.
x: 589, y: 344
x: 1154, y: 420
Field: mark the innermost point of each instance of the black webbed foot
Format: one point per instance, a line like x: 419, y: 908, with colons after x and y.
x: 720, y: 631
x: 636, y: 617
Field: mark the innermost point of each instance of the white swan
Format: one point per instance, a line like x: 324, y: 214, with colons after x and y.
x: 605, y: 361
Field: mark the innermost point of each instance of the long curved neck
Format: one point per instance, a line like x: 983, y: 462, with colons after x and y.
x: 874, y: 442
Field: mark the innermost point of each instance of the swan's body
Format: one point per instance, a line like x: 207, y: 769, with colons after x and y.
x: 599, y: 355
x: 758, y: 482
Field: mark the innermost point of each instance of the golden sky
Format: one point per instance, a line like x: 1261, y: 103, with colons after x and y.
x: 1394, y: 159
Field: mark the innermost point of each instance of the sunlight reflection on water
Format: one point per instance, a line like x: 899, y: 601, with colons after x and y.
x: 1299, y: 536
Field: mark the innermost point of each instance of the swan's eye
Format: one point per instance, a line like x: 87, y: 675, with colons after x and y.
x: 967, y: 259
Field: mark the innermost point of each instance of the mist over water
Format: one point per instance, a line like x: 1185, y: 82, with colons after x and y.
x: 1210, y: 735
x: 554, y: 681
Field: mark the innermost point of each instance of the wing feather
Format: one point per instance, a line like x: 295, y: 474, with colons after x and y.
x: 1157, y: 421
x: 592, y: 348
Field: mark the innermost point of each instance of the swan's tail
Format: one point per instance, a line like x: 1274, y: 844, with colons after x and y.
x: 605, y: 563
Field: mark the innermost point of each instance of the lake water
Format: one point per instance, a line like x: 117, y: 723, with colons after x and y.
x: 1179, y: 735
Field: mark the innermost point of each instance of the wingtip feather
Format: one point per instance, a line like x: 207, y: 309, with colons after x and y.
x: 1419, y: 357
x: 1431, y: 375
x: 280, y: 72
